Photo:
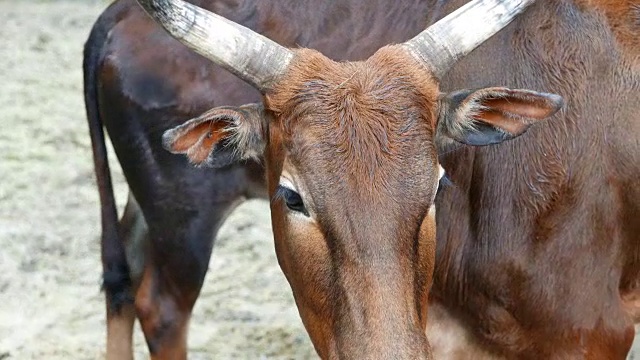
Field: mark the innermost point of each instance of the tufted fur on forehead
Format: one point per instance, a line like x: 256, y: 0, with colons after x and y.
x: 366, y: 115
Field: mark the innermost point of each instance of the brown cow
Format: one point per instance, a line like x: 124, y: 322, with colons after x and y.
x: 351, y: 151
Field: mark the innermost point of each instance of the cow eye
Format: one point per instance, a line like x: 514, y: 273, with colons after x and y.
x: 292, y: 199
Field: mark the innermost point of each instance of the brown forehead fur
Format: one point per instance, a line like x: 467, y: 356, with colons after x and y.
x: 366, y: 115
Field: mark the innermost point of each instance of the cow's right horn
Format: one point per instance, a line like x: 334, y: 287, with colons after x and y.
x: 247, y: 54
x: 444, y: 43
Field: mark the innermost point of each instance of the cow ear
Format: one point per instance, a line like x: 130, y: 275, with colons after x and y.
x: 221, y: 136
x: 491, y: 115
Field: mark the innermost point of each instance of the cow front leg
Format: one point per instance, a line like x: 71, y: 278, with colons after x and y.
x: 174, y: 271
x: 164, y: 310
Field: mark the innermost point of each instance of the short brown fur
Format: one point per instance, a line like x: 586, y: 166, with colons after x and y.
x: 624, y: 18
x: 538, y: 253
x: 378, y: 104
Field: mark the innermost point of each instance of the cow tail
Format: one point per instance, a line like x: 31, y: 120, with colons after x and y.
x: 116, y: 278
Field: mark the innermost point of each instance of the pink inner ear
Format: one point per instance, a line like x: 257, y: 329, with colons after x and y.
x: 199, y: 140
x: 514, y: 111
x: 528, y: 108
x: 502, y: 121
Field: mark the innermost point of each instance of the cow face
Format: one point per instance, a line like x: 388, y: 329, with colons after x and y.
x: 351, y: 154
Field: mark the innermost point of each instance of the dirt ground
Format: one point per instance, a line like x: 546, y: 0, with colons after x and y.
x: 50, y: 303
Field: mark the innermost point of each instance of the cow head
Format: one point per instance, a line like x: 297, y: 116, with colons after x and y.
x: 351, y: 153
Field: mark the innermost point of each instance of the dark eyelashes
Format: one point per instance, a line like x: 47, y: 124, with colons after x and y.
x: 292, y: 199
x: 279, y: 194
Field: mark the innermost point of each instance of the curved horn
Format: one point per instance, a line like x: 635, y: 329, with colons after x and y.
x: 450, y: 39
x: 247, y: 54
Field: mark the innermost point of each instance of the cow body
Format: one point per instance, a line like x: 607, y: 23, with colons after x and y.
x: 538, y: 239
x: 527, y: 263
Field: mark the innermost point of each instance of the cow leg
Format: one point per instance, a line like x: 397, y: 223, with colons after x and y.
x: 133, y: 231
x: 120, y: 333
x: 164, y: 310
x: 173, y: 276
x: 118, y: 293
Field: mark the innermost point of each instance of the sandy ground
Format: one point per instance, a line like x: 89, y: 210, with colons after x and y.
x: 50, y: 303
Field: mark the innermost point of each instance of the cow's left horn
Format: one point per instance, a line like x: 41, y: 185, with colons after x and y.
x: 453, y: 37
x: 249, y: 55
